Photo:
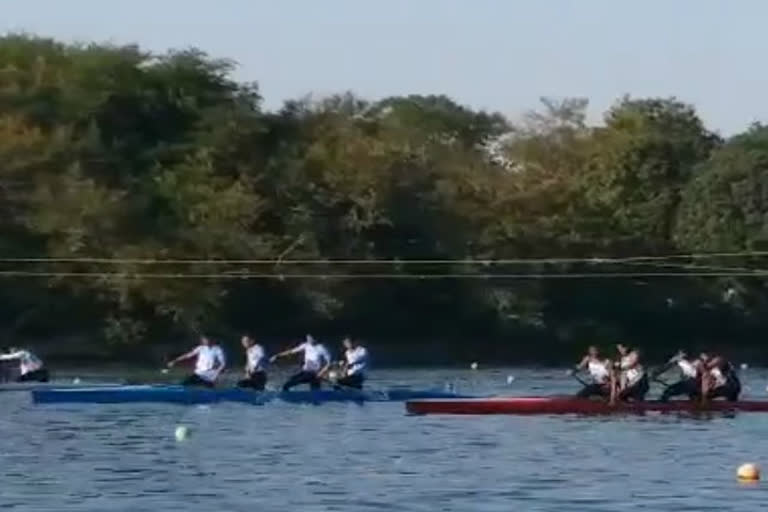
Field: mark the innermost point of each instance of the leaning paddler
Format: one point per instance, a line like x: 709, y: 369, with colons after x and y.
x: 629, y: 380
x: 354, y: 366
x: 598, y: 370
x: 255, y: 365
x: 689, y: 383
x: 720, y: 380
x: 31, y: 367
x: 209, y: 365
x: 317, y: 361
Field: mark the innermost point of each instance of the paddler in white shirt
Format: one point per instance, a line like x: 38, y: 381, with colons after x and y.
x: 720, y: 379
x: 599, y: 370
x: 210, y: 363
x: 354, y: 366
x: 630, y: 381
x: 255, y: 365
x: 689, y: 383
x: 31, y: 367
x: 317, y: 361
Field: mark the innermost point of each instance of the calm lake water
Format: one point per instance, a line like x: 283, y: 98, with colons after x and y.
x: 347, y: 457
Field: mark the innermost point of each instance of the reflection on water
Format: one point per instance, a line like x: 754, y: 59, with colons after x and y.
x: 348, y: 457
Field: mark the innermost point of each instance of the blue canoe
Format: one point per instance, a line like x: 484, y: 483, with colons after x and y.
x: 192, y: 395
x: 33, y: 386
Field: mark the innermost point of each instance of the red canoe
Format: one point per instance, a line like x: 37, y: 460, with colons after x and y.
x: 569, y: 405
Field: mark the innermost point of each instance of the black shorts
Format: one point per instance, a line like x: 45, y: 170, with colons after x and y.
x: 637, y: 391
x: 354, y: 381
x: 689, y: 387
x: 303, y: 377
x: 196, y: 380
x: 730, y: 390
x: 256, y: 380
x: 39, y: 375
x: 594, y: 389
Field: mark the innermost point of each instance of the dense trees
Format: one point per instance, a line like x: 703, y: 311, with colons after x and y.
x: 143, y: 197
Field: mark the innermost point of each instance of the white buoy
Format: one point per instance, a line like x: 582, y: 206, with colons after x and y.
x: 182, y: 433
x: 473, y: 366
x: 510, y: 379
x: 76, y: 380
x: 744, y: 366
x: 164, y: 371
x: 748, y: 473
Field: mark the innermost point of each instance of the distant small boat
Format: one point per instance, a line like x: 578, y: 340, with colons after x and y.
x: 195, y: 395
x: 571, y: 405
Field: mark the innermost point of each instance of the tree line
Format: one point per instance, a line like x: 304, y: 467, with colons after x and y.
x: 146, y: 197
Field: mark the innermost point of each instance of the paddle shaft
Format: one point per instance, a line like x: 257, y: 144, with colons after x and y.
x: 579, y: 379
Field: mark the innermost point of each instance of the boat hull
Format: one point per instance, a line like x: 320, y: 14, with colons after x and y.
x: 193, y: 395
x: 570, y: 405
x: 32, y: 386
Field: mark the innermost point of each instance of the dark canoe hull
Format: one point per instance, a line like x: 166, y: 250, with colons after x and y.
x: 570, y: 405
x: 193, y: 395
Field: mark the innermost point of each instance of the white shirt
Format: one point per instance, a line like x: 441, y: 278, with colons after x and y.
x: 632, y: 375
x: 315, y: 356
x: 207, y: 356
x: 718, y: 377
x: 254, y: 359
x: 687, y: 368
x: 357, y: 360
x: 28, y: 362
x: 599, y: 371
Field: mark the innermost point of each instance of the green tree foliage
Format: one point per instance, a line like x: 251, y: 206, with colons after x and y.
x: 156, y: 198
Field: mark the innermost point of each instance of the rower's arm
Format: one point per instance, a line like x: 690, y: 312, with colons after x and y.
x: 579, y: 367
x: 11, y: 357
x: 327, y: 363
x: 290, y: 351
x: 183, y: 357
x: 632, y: 361
x: 221, y: 360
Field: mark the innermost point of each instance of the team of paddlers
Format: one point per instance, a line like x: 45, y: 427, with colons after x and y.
x: 624, y: 378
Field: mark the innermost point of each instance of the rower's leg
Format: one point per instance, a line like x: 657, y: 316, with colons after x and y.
x: 295, y: 380
x: 40, y: 375
x: 590, y: 390
x: 357, y: 381
x: 682, y: 387
x: 259, y: 380
x: 350, y: 381
x: 196, y: 380
x: 614, y: 388
x: 191, y: 380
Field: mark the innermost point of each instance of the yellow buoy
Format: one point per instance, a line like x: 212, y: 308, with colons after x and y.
x: 748, y: 473
x: 182, y: 433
